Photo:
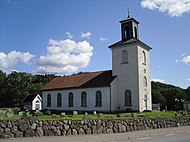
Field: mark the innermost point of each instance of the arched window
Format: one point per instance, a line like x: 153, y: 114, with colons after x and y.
x: 136, y: 32
x: 124, y: 56
x: 70, y: 100
x: 145, y: 97
x: 145, y: 102
x: 128, y: 100
x: 48, y: 100
x: 83, y: 99
x: 126, y: 32
x: 145, y: 81
x: 144, y: 58
x: 59, y: 100
x: 98, y: 99
x: 144, y: 71
x: 37, y: 105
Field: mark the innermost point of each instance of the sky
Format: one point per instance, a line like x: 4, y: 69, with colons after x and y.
x: 69, y: 36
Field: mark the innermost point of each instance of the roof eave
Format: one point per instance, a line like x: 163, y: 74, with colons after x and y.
x: 132, y: 41
x: 129, y: 19
x: 55, y: 89
x: 139, y: 41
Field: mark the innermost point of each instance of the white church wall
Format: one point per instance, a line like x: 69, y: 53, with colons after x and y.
x: 127, y: 74
x: 114, y: 95
x: 91, y: 93
x: 144, y: 71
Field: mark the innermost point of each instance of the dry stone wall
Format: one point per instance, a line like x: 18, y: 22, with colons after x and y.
x: 38, y: 128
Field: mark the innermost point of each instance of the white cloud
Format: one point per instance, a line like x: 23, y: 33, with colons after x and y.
x: 65, y: 56
x: 86, y: 35
x: 103, y: 39
x: 158, y: 80
x: 188, y: 79
x: 149, y: 4
x: 173, y: 7
x: 8, y: 61
x: 186, y: 59
x: 176, y: 61
x: 70, y: 36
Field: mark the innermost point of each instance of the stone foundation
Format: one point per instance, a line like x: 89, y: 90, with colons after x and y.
x: 38, y: 128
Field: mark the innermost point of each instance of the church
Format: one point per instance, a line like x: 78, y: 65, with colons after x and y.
x: 127, y: 87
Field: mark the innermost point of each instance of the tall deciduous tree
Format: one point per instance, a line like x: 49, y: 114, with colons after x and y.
x: 16, y: 86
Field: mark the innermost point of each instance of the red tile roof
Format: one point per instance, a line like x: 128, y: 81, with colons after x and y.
x: 84, y: 80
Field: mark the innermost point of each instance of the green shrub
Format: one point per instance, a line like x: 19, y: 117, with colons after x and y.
x: 141, y: 115
x: 120, y: 115
x: 48, y: 112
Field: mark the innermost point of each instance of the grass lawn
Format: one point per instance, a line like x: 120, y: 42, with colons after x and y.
x: 58, y: 117
x: 110, y: 116
x: 104, y: 116
x: 6, y: 118
x: 160, y: 114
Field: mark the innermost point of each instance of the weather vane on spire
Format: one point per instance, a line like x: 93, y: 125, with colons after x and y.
x: 129, y: 16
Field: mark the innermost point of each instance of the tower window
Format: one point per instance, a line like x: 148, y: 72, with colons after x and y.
x: 144, y: 58
x: 124, y: 57
x: 145, y: 102
x: 144, y: 71
x: 127, y: 98
x: 126, y: 32
x: 145, y: 81
x: 136, y: 32
x: 145, y: 97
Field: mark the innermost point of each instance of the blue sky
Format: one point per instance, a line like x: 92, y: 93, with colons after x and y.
x: 68, y: 36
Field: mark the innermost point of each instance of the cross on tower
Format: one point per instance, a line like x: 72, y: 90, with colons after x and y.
x: 128, y: 10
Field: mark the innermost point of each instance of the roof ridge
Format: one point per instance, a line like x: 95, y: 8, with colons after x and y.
x: 83, y: 73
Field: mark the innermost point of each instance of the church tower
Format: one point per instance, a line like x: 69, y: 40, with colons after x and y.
x: 131, y: 65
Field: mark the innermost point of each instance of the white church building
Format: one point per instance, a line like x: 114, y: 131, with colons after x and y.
x: 127, y: 87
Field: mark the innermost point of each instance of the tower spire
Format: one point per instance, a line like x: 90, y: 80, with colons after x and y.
x: 129, y: 16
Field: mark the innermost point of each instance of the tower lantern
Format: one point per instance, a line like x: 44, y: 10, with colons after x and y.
x: 129, y: 28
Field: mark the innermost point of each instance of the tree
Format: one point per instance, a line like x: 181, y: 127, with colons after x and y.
x: 2, y: 87
x: 188, y: 93
x: 168, y: 95
x: 158, y: 98
x: 15, y: 86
